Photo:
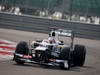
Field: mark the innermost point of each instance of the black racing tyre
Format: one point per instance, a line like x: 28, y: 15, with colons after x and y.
x: 65, y: 55
x: 79, y: 55
x: 22, y: 48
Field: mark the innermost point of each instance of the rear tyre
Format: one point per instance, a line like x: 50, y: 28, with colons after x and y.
x: 65, y: 55
x: 21, y: 48
x: 79, y: 55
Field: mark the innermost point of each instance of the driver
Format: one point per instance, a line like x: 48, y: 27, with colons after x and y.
x: 52, y: 38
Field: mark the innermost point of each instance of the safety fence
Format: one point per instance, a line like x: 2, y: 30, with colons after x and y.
x: 36, y: 24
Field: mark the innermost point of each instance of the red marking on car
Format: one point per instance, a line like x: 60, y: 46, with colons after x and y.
x: 52, y: 60
x: 27, y: 56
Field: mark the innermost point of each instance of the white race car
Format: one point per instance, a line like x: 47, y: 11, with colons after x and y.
x: 51, y: 51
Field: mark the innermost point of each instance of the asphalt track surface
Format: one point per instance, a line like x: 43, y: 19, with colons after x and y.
x: 9, y: 67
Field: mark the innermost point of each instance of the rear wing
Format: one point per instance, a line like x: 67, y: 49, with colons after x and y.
x: 66, y: 33
x: 63, y: 32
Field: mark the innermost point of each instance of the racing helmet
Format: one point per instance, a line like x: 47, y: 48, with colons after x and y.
x: 53, y: 34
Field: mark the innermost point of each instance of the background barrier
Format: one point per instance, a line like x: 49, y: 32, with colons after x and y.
x: 36, y: 24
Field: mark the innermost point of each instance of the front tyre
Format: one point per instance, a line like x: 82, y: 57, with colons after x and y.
x: 65, y: 55
x: 21, y: 48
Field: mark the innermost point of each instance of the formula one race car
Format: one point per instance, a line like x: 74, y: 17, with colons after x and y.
x: 51, y: 51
